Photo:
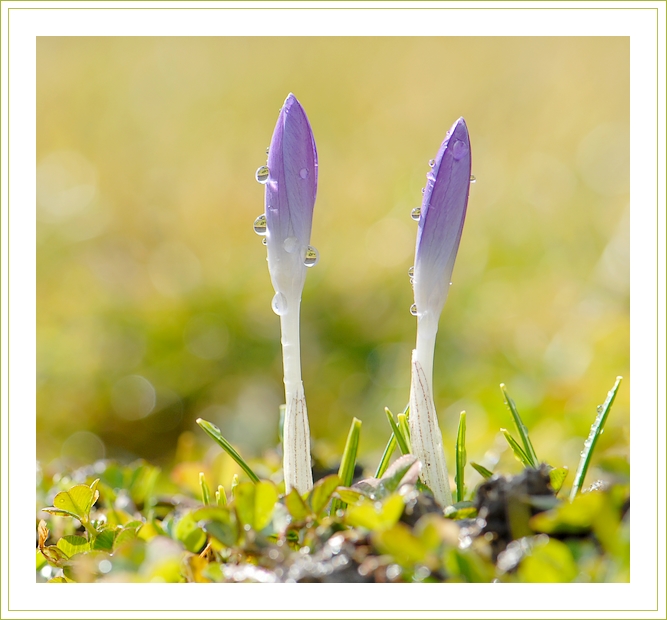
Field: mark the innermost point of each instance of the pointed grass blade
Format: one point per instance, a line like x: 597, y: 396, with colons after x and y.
x: 528, y: 449
x: 589, y: 445
x: 386, y: 456
x: 481, y: 470
x: 214, y: 433
x: 516, y: 448
x: 402, y: 444
x: 347, y: 463
x: 461, y: 457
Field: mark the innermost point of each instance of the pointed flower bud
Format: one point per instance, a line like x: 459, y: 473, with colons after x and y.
x: 443, y: 213
x: 441, y: 221
x: 290, y: 192
x: 290, y: 180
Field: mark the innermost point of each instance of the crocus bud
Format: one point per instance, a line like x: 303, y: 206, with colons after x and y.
x: 441, y: 219
x: 290, y: 181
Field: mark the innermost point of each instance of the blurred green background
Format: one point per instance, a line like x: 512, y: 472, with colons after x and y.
x: 153, y: 290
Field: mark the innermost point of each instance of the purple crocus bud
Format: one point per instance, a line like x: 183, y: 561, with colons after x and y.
x: 290, y: 181
x: 441, y: 219
x: 443, y: 213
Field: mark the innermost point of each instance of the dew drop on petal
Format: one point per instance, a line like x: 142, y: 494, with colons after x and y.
x: 303, y: 173
x: 290, y: 244
x: 473, y: 179
x: 411, y: 272
x: 264, y: 241
x: 423, y: 189
x: 312, y: 256
x: 259, y: 225
x: 267, y: 149
x: 415, y: 213
x: 413, y: 309
x: 459, y: 149
x: 262, y: 174
x: 431, y: 162
x: 279, y: 304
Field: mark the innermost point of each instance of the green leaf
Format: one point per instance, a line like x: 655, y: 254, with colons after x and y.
x: 349, y: 496
x: 71, y: 545
x: 76, y: 501
x: 54, y: 556
x: 557, y: 476
x: 296, y: 506
x: 374, y: 515
x: 220, y: 522
x: 402, y: 545
x: 346, y: 469
x: 461, y: 457
x: 214, y: 432
x: 255, y: 503
x: 528, y: 449
x: 551, y: 562
x: 402, y: 444
x: 60, y: 580
x: 319, y: 496
x: 189, y: 533
x: 104, y: 540
x: 590, y: 443
x: 461, y: 510
x: 481, y: 470
x: 520, y: 455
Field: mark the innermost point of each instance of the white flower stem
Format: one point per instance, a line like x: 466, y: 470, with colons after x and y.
x: 425, y: 434
x: 296, y: 432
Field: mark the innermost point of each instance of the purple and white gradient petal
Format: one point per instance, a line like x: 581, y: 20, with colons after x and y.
x: 290, y: 181
x: 441, y: 222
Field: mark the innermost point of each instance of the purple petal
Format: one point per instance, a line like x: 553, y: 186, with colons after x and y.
x: 292, y: 185
x: 441, y: 221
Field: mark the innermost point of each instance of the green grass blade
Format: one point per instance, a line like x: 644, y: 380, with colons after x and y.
x: 405, y: 429
x: 205, y: 492
x: 221, y: 496
x: 589, y: 445
x: 402, y: 444
x: 346, y: 469
x: 214, y: 433
x: 516, y: 448
x: 481, y: 470
x: 386, y: 456
x: 528, y: 449
x: 461, y: 457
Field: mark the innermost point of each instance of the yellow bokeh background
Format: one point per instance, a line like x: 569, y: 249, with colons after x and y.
x: 153, y: 291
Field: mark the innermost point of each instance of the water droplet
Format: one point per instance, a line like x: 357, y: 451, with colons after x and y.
x: 423, y: 189
x: 430, y: 176
x: 262, y: 174
x: 303, y: 173
x: 473, y: 179
x: 413, y: 309
x: 267, y: 149
x: 260, y: 225
x: 411, y: 271
x: 264, y: 241
x: 279, y: 304
x: 312, y: 256
x: 602, y: 432
x: 459, y: 150
x: 290, y: 244
x: 415, y: 213
x: 600, y: 409
x: 431, y: 162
